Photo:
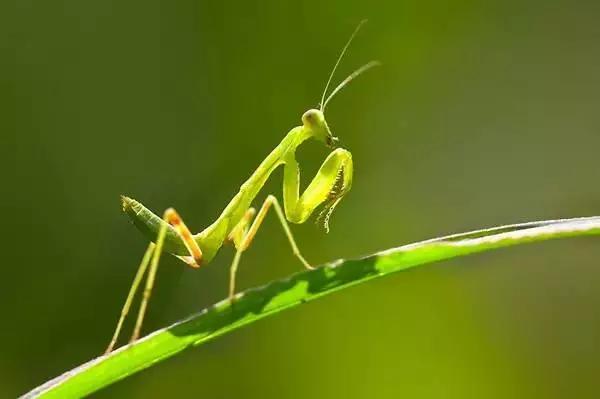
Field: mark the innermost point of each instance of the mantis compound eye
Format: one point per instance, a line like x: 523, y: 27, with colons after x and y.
x: 311, y: 117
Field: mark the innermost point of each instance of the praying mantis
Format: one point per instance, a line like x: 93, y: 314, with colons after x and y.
x: 239, y: 221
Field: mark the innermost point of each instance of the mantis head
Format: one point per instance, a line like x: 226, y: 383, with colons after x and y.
x: 314, y: 122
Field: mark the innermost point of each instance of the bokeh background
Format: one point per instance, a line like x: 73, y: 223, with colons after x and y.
x: 483, y: 113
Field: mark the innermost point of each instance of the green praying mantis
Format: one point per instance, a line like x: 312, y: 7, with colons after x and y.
x: 239, y: 221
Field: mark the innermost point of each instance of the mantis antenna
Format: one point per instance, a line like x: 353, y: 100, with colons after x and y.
x: 354, y: 74
x: 350, y: 78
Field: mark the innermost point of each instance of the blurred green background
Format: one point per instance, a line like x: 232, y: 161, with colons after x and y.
x: 484, y: 113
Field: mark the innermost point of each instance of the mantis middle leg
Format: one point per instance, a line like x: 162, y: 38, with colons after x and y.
x: 242, y: 236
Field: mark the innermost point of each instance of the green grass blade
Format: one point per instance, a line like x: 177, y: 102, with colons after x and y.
x: 255, y: 304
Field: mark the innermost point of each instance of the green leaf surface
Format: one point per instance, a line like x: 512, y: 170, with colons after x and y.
x: 255, y: 304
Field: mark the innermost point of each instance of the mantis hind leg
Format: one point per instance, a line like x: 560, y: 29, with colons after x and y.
x: 151, y: 258
x: 242, y: 236
x: 134, y: 286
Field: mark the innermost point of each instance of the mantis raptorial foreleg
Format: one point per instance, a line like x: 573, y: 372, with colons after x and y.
x: 152, y: 258
x: 242, y: 236
x: 331, y: 183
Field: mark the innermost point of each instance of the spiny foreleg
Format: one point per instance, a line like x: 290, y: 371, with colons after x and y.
x: 331, y: 183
